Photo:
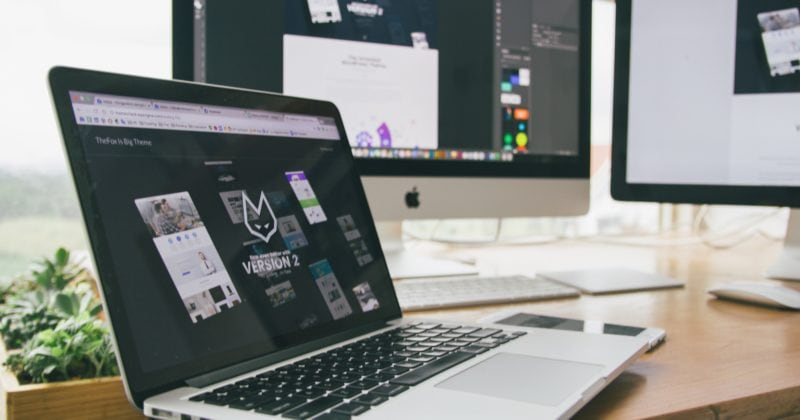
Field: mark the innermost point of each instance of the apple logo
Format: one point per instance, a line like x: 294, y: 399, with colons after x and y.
x: 412, y: 198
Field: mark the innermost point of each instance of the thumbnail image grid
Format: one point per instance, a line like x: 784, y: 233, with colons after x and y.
x: 192, y: 261
x: 767, y: 47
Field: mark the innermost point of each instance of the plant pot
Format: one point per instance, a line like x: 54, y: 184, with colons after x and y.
x: 102, y: 398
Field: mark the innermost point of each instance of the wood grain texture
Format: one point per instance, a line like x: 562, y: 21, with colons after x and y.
x: 102, y: 398
x: 84, y: 399
x: 721, y: 359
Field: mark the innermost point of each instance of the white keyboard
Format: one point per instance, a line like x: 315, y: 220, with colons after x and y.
x: 445, y: 292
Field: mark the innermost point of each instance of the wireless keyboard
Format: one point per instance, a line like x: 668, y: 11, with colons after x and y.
x: 445, y: 292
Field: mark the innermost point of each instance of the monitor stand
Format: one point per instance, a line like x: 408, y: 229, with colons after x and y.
x: 407, y: 264
x: 788, y: 265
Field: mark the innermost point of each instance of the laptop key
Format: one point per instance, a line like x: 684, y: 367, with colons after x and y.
x: 395, y: 370
x: 389, y: 390
x: 350, y: 409
x: 475, y: 349
x: 349, y: 377
x: 364, y: 384
x: 434, y: 368
x: 380, y: 377
x: 465, y: 330
x: 408, y: 365
x: 329, y: 385
x: 371, y: 399
x: 332, y: 416
x: 310, y: 392
x: 449, y: 326
x: 202, y: 397
x: 281, y: 405
x: 313, y: 408
x: 253, y: 401
x: 486, y: 345
x: 346, y: 392
x: 486, y: 332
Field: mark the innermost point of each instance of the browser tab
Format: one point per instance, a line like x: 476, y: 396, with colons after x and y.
x: 116, y: 111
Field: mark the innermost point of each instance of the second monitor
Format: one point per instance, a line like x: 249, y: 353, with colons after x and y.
x: 453, y: 109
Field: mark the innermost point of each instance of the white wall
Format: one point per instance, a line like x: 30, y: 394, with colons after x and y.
x: 121, y: 36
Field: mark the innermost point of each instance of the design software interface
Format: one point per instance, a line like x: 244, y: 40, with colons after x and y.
x: 717, y: 101
x: 487, y: 80
x: 239, y: 226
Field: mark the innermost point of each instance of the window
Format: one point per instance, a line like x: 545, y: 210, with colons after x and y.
x: 38, y: 209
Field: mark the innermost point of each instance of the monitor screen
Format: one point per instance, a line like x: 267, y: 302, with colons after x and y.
x: 489, y: 87
x: 714, y: 93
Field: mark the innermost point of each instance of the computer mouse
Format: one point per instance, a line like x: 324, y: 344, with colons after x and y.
x: 769, y: 294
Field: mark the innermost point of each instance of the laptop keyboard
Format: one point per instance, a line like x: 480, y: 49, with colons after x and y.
x: 349, y: 380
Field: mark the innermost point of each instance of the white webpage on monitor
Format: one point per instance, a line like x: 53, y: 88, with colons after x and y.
x: 689, y: 119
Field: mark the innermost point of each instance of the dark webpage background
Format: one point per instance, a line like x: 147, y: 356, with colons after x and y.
x: 244, y: 47
x: 162, y: 329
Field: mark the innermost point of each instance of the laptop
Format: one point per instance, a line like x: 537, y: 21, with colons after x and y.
x: 242, y: 276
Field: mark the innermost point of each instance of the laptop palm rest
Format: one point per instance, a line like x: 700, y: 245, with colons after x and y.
x: 524, y: 378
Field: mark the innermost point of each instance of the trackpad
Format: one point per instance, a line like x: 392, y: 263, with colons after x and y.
x: 524, y: 378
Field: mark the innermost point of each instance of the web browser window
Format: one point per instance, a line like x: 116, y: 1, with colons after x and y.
x: 241, y: 227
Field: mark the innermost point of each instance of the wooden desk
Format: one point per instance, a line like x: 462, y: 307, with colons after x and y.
x: 721, y: 359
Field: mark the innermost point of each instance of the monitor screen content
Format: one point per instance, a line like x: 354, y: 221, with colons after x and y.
x: 714, y: 93
x: 231, y: 231
x: 489, y: 80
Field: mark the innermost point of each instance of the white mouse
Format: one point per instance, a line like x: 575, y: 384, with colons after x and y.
x: 759, y: 293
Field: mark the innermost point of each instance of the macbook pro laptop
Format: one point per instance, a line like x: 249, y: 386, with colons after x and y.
x: 243, y: 278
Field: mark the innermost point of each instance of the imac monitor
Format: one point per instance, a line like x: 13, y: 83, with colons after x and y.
x: 453, y: 108
x: 706, y: 106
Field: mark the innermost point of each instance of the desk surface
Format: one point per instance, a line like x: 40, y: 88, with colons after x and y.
x: 720, y: 358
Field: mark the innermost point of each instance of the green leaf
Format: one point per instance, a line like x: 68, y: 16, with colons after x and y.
x: 44, y: 279
x: 62, y: 257
x: 95, y: 310
x: 66, y: 303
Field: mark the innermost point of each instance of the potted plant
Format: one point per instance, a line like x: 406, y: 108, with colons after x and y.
x: 55, y: 347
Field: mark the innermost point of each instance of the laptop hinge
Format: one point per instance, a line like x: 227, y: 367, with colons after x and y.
x: 218, y: 375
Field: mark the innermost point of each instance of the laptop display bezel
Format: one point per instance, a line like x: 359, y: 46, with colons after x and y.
x: 140, y: 384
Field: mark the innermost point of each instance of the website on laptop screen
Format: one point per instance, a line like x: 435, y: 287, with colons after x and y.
x: 229, y: 229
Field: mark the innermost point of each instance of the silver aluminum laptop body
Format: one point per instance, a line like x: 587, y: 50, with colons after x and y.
x: 544, y: 374
x: 232, y: 240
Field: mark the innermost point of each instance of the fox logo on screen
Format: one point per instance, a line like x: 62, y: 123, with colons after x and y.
x: 262, y: 224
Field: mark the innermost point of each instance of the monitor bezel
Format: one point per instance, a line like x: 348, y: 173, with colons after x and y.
x: 623, y: 190
x: 538, y: 166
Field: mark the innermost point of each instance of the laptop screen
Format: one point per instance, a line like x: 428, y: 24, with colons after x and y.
x: 232, y: 232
